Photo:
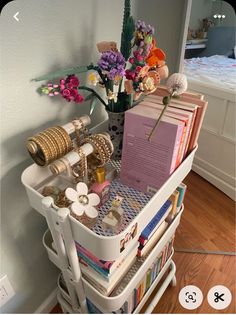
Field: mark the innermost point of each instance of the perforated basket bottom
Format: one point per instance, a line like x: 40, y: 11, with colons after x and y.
x: 132, y: 204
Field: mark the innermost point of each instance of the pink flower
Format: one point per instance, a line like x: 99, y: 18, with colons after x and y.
x: 138, y: 68
x: 74, y: 93
x: 139, y: 58
x: 130, y: 75
x: 136, y: 53
x: 74, y: 81
x: 79, y: 98
x: 69, y: 86
x: 131, y: 60
x: 66, y: 93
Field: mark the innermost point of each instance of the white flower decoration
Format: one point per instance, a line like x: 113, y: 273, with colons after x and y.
x: 93, y: 78
x: 83, y: 203
x: 177, y: 83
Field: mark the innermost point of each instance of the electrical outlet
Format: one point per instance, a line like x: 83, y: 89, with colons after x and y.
x: 6, y: 290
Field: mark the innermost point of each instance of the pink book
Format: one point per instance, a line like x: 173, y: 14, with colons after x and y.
x: 201, y: 110
x: 148, y: 164
x: 183, y: 115
x: 196, y: 99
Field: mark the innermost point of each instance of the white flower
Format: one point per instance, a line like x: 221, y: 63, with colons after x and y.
x: 82, y: 201
x: 93, y: 78
x: 177, y: 83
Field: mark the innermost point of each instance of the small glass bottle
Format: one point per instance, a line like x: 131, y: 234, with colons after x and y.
x: 102, y: 186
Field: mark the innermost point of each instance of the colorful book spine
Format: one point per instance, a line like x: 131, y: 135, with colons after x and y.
x: 156, y: 219
x: 148, y: 279
x: 101, y: 263
x: 101, y: 271
x: 182, y: 190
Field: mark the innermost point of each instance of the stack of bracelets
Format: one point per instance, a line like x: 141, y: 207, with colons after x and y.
x: 49, y: 145
x: 103, y: 149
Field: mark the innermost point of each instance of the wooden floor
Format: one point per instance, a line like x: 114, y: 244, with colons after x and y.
x: 203, y: 271
x: 208, y: 221
x: 207, y: 224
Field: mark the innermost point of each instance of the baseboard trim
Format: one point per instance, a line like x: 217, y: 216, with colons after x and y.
x: 48, y: 304
x: 219, y: 183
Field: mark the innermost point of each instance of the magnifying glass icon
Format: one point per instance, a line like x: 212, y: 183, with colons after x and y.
x: 190, y: 297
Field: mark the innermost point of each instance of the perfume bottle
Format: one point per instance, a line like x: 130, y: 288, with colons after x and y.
x: 102, y: 186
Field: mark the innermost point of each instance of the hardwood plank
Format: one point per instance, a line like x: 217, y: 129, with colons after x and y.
x: 208, y: 219
x: 204, y: 271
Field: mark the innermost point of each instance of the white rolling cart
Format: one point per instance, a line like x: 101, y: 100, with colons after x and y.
x: 64, y: 231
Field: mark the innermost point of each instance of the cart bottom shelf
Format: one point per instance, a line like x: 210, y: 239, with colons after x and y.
x: 170, y: 278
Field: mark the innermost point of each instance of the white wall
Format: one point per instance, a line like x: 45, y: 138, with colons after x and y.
x: 200, y: 10
x: 167, y: 16
x: 51, y: 35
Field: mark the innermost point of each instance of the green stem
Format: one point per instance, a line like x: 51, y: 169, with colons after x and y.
x: 82, y: 87
x: 159, y: 118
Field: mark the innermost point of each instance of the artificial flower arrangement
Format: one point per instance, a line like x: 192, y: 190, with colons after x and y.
x: 126, y: 75
x: 141, y: 72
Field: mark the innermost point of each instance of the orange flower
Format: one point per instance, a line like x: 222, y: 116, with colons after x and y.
x: 156, y: 57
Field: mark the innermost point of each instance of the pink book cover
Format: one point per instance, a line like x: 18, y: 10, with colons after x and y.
x: 148, y: 164
x: 181, y: 108
x: 202, y: 107
x: 193, y: 98
x: 183, y: 115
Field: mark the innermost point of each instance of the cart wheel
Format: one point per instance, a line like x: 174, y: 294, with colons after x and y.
x: 173, y: 282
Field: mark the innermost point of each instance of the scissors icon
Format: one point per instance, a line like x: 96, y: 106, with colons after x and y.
x: 218, y: 297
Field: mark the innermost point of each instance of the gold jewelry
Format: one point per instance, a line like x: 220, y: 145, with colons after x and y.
x: 49, y: 145
x: 57, y: 140
x: 52, y: 148
x: 83, y: 167
x: 42, y: 156
x: 101, y: 147
x: 77, y: 131
x: 65, y: 136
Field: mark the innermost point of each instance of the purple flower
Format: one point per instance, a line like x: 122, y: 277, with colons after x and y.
x: 112, y: 63
x: 140, y: 25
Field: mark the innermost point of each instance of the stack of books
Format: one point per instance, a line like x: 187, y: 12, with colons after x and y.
x: 104, y: 275
x: 136, y: 296
x: 146, y: 165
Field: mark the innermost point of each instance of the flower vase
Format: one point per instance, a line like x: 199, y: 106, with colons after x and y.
x: 116, y: 131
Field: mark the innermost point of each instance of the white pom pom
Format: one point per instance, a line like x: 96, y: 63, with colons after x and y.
x: 177, y: 83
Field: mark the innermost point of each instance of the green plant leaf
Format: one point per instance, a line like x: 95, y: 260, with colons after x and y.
x: 92, y: 105
x: 128, y: 29
x: 88, y: 97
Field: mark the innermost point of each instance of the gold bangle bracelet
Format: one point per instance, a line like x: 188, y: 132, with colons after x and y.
x: 60, y: 139
x: 57, y: 141
x: 42, y: 156
x: 65, y: 136
x: 52, y: 148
